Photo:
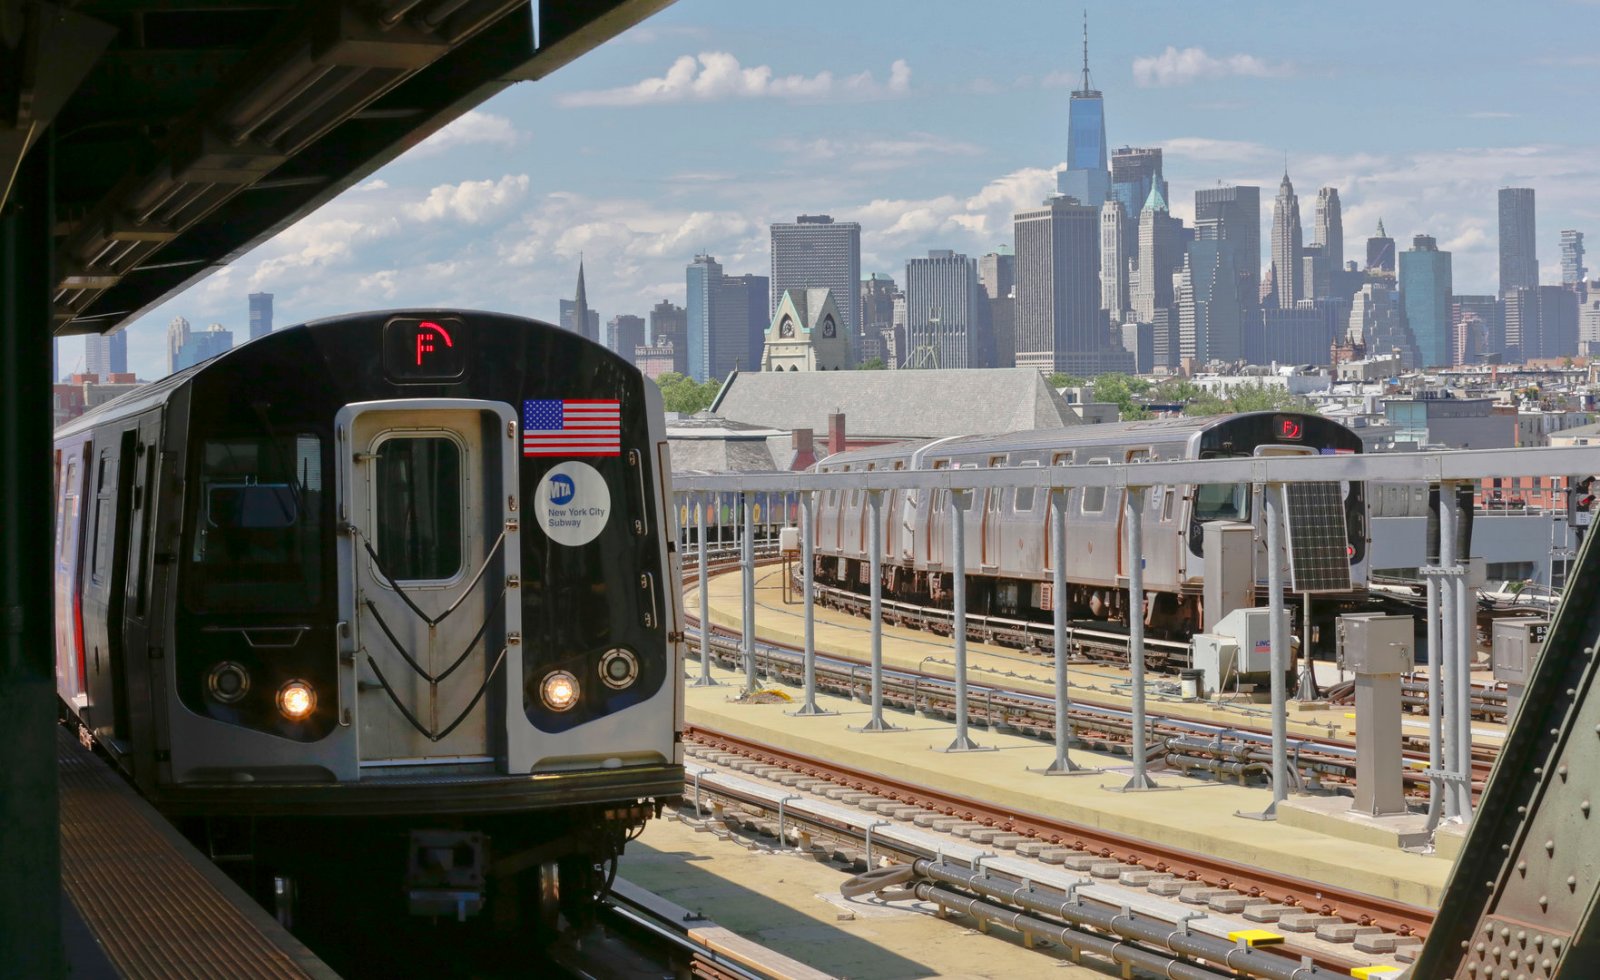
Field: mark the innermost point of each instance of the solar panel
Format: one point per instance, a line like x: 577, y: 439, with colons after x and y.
x: 1319, y: 557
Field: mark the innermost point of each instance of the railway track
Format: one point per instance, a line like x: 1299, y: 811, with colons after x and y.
x: 994, y: 886
x: 1240, y: 751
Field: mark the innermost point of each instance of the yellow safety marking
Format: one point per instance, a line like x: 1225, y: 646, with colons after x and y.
x: 1254, y: 937
x: 1375, y: 972
x: 1349, y: 714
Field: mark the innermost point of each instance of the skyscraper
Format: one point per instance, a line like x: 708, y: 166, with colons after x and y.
x: 577, y: 316
x: 1330, y: 228
x: 1558, y: 321
x: 106, y: 354
x: 204, y: 345
x: 1210, y: 323
x: 1114, y: 227
x: 1059, y: 325
x: 625, y: 333
x: 997, y: 275
x: 1160, y: 255
x: 1524, y: 336
x: 947, y: 326
x: 1377, y: 323
x: 1425, y: 291
x: 1487, y: 311
x: 260, y: 315
x: 1519, y: 262
x: 670, y: 324
x: 1086, y: 177
x: 1286, y: 243
x: 1134, y: 170
x: 814, y: 251
x: 1233, y: 215
x: 1572, y: 271
x: 177, y: 337
x: 1380, y: 251
x: 727, y: 319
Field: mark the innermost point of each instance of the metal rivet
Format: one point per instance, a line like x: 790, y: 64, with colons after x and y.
x: 1584, y: 806
x: 1497, y: 952
x: 1505, y: 935
x: 1544, y: 901
x: 1572, y: 883
x: 1545, y: 965
x: 1522, y: 811
x: 1555, y: 945
x: 1522, y: 868
x: 1538, y: 940
x: 1478, y: 948
x: 1549, y: 847
x: 1561, y: 771
x: 1538, y: 770
x: 1522, y: 936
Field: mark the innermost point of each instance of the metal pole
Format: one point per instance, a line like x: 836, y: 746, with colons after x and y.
x: 808, y: 561
x: 875, y: 571
x: 1134, y: 510
x: 1463, y: 675
x: 747, y: 558
x: 958, y: 563
x: 1063, y: 765
x: 1436, y: 787
x: 702, y: 505
x: 1280, y: 646
x: 1447, y: 635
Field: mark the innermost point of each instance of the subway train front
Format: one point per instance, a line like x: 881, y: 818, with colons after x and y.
x: 386, y: 599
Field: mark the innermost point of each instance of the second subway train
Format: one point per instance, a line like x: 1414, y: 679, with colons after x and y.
x: 1008, y: 559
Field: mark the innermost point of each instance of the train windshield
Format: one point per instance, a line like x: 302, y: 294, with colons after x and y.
x: 1222, y: 502
x: 256, y: 539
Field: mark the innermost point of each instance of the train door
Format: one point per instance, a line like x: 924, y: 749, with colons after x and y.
x: 141, y: 472
x: 104, y: 545
x: 1063, y: 458
x: 1097, y: 532
x: 1124, y: 560
x: 425, y: 492
x: 993, y: 497
x: 71, y: 675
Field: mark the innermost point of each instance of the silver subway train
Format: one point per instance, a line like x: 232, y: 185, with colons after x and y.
x: 389, y: 594
x: 1008, y: 559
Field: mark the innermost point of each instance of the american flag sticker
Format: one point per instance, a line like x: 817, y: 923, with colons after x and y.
x: 571, y: 427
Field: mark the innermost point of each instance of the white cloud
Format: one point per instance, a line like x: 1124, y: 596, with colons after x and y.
x: 1214, y: 150
x: 471, y: 201
x: 875, y: 153
x: 471, y: 128
x: 376, y: 184
x: 1174, y: 67
x: 717, y: 75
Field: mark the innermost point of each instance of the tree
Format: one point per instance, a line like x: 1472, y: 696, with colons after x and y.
x: 874, y: 364
x: 1123, y: 391
x: 1060, y: 380
x: 682, y: 394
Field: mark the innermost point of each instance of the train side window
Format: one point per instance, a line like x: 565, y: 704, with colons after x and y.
x: 1061, y: 459
x: 1023, y: 502
x: 1166, y: 503
x: 69, y: 499
x: 103, y: 499
x: 417, y: 483
x: 1094, y: 498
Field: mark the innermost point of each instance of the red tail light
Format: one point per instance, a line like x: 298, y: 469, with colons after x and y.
x: 77, y: 639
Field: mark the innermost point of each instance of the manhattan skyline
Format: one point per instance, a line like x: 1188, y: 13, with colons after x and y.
x: 931, y: 127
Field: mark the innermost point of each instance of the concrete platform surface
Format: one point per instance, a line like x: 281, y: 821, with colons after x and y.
x: 791, y: 905
x: 1199, y: 816
x: 840, y: 632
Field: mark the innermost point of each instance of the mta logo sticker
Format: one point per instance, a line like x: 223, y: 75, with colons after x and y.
x: 573, y: 503
x: 562, y: 489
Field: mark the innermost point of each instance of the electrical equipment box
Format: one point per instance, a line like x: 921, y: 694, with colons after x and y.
x: 1373, y: 643
x: 1230, y: 574
x: 789, y: 540
x: 1251, y: 629
x: 1516, y: 643
x: 1214, y: 656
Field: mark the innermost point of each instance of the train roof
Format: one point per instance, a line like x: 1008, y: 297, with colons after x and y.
x: 1146, y: 432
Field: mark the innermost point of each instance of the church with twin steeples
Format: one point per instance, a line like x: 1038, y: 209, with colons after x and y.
x: 807, y: 333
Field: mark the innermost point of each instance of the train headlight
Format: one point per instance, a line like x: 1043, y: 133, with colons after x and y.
x: 228, y: 682
x: 296, y: 699
x: 619, y: 668
x: 559, y: 690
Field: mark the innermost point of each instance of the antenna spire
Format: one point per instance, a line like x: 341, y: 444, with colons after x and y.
x: 1086, y: 85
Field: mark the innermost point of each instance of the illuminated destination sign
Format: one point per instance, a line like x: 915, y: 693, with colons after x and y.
x: 417, y: 349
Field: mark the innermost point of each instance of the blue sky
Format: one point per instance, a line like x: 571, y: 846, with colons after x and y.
x: 931, y: 122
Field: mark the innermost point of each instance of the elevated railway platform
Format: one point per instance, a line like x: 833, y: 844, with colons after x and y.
x: 150, y: 903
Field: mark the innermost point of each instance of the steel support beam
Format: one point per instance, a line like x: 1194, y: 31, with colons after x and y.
x: 1063, y: 764
x: 30, y: 869
x: 875, y: 572
x: 808, y: 564
x: 702, y: 503
x: 747, y: 565
x: 1133, y: 518
x: 958, y: 597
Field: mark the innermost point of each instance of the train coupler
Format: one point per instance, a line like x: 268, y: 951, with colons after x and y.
x: 445, y: 873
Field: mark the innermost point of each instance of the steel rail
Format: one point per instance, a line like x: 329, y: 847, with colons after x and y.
x: 1390, y: 915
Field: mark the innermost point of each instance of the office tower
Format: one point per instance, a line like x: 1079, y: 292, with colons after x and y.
x: 1330, y: 227
x: 203, y: 345
x: 1315, y: 277
x: 877, y: 303
x: 1589, y: 324
x: 703, y: 279
x: 1114, y: 296
x: 1286, y: 243
x: 946, y: 313
x: 1160, y: 255
x: 1489, y: 314
x: 814, y: 251
x: 1524, y: 338
x: 1233, y: 215
x: 1470, y: 338
x: 1210, y: 322
x: 727, y: 320
x: 260, y: 315
x: 177, y: 337
x: 1377, y: 323
x: 1134, y: 170
x: 669, y: 324
x: 1380, y: 251
x: 1572, y: 271
x: 1059, y: 324
x: 997, y: 273
x: 105, y: 354
x: 1086, y: 177
x: 625, y: 333
x: 1519, y: 263
x: 1303, y: 334
x: 1425, y: 291
x: 1558, y: 321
